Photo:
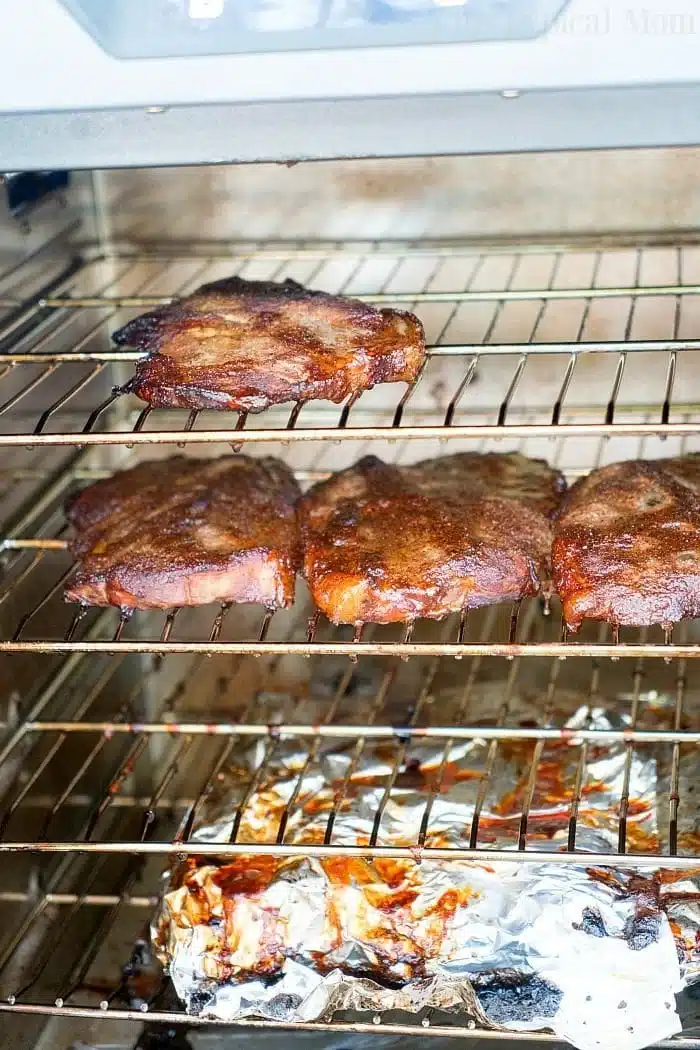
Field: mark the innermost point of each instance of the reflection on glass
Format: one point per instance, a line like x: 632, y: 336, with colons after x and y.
x: 285, y: 15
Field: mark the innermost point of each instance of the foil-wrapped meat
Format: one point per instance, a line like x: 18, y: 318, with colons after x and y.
x: 593, y: 953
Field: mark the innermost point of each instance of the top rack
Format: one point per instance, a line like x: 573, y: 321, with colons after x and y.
x: 516, y: 342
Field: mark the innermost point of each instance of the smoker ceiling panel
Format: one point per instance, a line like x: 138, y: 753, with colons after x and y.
x: 603, y: 75
x: 501, y: 120
x: 590, y: 46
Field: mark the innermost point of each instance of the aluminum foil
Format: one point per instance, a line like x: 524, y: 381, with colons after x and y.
x: 594, y: 955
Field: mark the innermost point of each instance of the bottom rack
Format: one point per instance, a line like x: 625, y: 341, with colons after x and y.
x: 118, y: 754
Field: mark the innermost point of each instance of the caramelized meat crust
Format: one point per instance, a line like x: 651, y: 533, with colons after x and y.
x: 386, y: 544
x: 187, y: 532
x: 627, y: 544
x: 245, y: 345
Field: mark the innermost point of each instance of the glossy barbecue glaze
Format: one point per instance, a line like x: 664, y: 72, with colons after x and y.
x: 240, y: 912
x: 627, y: 544
x: 245, y: 345
x: 187, y: 532
x: 385, y: 543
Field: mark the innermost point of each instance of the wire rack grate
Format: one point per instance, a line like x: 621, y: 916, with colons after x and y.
x: 581, y: 355
x: 34, y: 616
x: 225, y: 700
x: 514, y: 332
x: 122, y: 774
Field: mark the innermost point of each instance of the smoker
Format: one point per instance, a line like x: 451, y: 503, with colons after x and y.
x: 523, y: 177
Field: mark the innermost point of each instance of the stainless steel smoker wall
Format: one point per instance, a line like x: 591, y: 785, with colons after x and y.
x: 512, y: 196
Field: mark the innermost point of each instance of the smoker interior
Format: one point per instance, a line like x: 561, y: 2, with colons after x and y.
x: 576, y: 345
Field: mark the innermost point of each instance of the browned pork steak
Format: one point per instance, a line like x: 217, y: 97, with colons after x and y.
x: 627, y: 544
x: 385, y: 543
x: 187, y: 532
x: 245, y: 345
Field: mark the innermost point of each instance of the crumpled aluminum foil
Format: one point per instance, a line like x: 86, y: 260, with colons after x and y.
x: 596, y: 956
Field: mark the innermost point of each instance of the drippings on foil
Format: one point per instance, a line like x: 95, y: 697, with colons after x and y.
x: 595, y: 955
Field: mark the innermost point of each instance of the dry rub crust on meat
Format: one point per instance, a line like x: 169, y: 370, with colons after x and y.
x: 388, y: 544
x: 627, y: 544
x: 245, y: 345
x: 187, y: 532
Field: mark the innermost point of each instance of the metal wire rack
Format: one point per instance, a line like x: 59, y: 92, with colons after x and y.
x: 37, y: 566
x: 109, y: 759
x: 113, y: 778
x: 513, y: 331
